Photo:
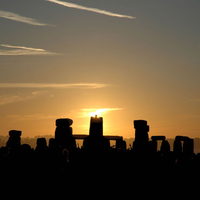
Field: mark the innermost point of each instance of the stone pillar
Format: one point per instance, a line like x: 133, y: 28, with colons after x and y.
x: 140, y: 145
x: 63, y: 133
x: 96, y: 126
x: 96, y: 141
x: 14, y: 139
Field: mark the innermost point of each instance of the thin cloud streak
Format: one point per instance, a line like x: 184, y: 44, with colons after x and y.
x: 21, y: 47
x: 19, y: 18
x: 96, y: 10
x: 54, y: 86
x: 22, y: 50
x: 7, y: 99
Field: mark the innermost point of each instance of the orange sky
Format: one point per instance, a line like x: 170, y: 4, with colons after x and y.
x: 133, y: 59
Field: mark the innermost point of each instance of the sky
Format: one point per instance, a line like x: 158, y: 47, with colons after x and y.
x: 122, y: 59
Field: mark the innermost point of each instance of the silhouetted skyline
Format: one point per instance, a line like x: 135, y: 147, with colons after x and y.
x: 96, y: 140
x: 61, y: 164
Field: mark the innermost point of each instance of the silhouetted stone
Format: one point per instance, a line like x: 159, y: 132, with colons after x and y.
x: 63, y: 133
x: 140, y: 145
x: 96, y: 126
x: 120, y: 144
x: 188, y: 145
x: 152, y: 147
x: 154, y: 143
x: 57, y: 166
x: 138, y: 124
x: 14, y: 139
x: 95, y: 140
x: 177, y: 148
x: 41, y: 147
x: 158, y: 137
x: 165, y: 147
x: 141, y: 131
x: 52, y: 143
x: 64, y: 122
x: 41, y: 143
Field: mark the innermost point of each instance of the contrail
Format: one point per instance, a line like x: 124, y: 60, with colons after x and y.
x: 19, y: 18
x: 22, y: 50
x: 96, y: 10
x: 21, y: 47
x: 53, y: 85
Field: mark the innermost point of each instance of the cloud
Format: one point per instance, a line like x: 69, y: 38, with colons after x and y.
x: 54, y: 86
x: 7, y: 99
x: 22, y: 50
x: 13, y: 98
x: 22, y: 47
x: 19, y: 18
x: 96, y: 10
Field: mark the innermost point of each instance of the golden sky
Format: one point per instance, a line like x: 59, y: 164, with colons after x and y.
x: 124, y: 60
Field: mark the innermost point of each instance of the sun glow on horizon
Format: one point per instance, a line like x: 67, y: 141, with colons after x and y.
x: 92, y: 112
x: 97, y: 112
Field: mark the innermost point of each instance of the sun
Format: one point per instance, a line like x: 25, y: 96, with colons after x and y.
x: 97, y: 112
x: 92, y: 112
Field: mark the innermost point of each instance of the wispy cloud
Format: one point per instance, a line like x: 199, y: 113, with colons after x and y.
x: 22, y: 47
x: 54, y: 86
x: 6, y: 99
x: 22, y: 50
x: 19, y: 18
x: 13, y: 98
x: 96, y: 10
